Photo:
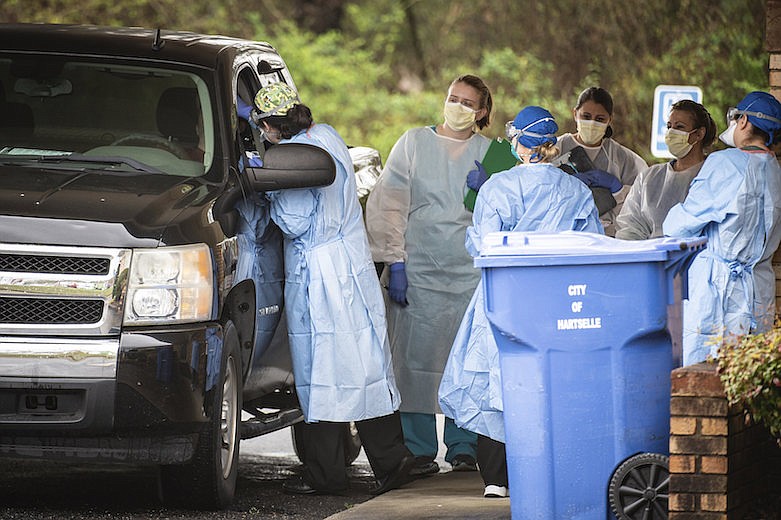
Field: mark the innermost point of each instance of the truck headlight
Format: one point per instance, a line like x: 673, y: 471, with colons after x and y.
x: 170, y: 285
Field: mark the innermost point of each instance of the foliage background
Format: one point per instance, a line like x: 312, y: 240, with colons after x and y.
x: 374, y: 68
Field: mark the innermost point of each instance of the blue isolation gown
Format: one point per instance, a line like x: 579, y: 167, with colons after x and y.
x: 534, y: 197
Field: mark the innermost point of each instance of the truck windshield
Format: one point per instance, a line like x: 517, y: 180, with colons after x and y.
x: 157, y: 117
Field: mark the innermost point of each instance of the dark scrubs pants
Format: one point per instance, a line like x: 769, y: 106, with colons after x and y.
x: 492, y: 461
x: 324, y: 454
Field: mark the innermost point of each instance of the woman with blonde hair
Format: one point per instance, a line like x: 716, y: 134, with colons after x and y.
x: 533, y: 196
x: 416, y: 220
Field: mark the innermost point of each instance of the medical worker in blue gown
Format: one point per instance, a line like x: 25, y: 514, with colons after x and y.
x: 533, y: 196
x: 335, y: 312
x: 735, y: 201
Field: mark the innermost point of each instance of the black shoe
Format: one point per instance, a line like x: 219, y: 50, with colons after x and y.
x: 424, y: 466
x: 396, y: 478
x: 464, y: 462
x: 298, y: 485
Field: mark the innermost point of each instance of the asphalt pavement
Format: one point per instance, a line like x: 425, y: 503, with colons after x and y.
x: 445, y: 495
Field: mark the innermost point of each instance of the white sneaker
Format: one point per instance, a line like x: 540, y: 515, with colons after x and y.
x: 492, y: 491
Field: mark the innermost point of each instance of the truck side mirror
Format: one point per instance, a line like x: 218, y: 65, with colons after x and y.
x: 289, y: 165
x: 293, y: 165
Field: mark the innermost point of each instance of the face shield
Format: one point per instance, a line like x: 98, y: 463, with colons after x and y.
x: 511, y: 132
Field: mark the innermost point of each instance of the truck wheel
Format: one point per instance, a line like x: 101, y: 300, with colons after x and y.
x: 208, y: 481
x: 352, y: 443
x: 639, y: 488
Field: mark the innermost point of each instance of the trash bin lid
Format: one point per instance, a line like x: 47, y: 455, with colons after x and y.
x: 510, y: 248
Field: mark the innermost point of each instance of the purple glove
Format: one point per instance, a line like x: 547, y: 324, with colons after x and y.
x: 600, y: 179
x: 243, y: 109
x: 397, y: 284
x: 477, y: 177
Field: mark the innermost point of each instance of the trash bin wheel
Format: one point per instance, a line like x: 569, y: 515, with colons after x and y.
x: 638, y: 489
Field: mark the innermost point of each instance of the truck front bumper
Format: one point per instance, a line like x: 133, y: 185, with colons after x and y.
x: 138, y: 397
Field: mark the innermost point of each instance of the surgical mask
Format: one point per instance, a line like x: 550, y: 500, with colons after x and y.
x: 590, y: 131
x: 458, y: 117
x: 728, y: 136
x: 514, y: 151
x: 265, y: 134
x: 678, y: 142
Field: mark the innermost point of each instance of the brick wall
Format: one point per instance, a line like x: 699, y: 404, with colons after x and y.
x: 720, y: 467
x: 773, y: 46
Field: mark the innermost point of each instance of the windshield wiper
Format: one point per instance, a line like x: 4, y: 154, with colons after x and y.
x: 102, y: 159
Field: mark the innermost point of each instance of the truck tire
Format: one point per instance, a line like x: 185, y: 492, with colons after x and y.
x: 352, y: 443
x: 208, y: 481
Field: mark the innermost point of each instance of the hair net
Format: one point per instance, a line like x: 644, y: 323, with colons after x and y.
x: 534, y: 126
x: 763, y: 111
x: 275, y: 100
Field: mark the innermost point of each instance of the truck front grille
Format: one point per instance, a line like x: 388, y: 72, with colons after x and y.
x: 53, y: 264
x: 60, y: 290
x: 39, y: 311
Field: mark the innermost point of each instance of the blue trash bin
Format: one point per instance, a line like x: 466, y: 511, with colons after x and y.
x: 581, y: 324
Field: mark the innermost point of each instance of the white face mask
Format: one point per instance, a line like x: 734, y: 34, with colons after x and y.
x: 458, y: 117
x: 590, y: 131
x: 728, y: 136
x: 678, y: 142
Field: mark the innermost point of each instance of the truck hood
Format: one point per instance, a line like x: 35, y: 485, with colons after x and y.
x: 94, y: 208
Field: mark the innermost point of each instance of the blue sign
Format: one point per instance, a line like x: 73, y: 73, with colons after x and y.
x: 665, y: 96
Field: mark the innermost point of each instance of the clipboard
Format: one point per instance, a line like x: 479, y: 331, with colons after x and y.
x: 498, y: 158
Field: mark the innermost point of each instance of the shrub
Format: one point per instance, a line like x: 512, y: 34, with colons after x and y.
x: 750, y: 370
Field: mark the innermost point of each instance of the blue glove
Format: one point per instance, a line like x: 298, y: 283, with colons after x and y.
x: 397, y: 285
x: 600, y: 179
x: 477, y: 177
x: 243, y: 109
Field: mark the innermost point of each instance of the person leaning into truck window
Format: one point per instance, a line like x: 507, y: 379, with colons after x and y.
x: 335, y: 312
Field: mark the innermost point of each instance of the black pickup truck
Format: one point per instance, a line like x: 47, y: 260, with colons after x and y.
x: 141, y: 279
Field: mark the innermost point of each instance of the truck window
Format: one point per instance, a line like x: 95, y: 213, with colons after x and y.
x: 158, y: 117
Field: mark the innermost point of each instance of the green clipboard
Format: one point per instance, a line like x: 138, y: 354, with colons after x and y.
x: 498, y: 158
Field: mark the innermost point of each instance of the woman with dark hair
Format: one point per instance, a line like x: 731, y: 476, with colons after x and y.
x: 416, y: 220
x: 335, y: 312
x: 593, y: 116
x: 690, y: 130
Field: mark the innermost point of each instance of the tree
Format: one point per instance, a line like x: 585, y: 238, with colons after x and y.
x: 373, y: 68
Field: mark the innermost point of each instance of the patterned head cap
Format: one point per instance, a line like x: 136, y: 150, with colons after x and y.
x: 275, y: 100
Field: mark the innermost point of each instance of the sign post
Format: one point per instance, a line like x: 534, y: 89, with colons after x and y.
x: 665, y: 96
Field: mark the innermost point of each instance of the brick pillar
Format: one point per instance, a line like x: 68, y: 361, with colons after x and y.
x: 773, y: 46
x: 721, y: 466
x: 698, y: 445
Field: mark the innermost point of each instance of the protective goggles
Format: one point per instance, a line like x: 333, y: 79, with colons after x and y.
x: 511, y: 132
x: 734, y: 113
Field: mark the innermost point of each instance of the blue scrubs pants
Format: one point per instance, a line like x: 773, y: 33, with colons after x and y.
x: 420, y: 436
